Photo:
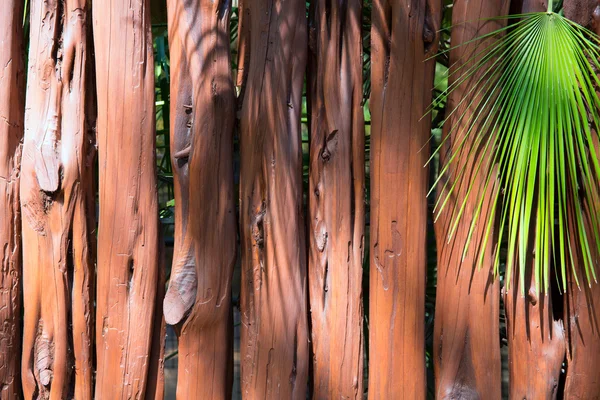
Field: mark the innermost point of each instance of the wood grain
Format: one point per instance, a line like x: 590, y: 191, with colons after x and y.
x: 128, y: 237
x: 12, y: 108
x: 466, y: 333
x: 336, y: 198
x: 274, y: 334
x: 202, y: 121
x: 403, y: 36
x: 57, y: 205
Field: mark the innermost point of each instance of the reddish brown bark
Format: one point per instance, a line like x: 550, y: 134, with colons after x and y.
x: 403, y: 36
x: 582, y: 320
x: 274, y: 333
x: 12, y: 99
x: 243, y: 44
x: 128, y: 240
x: 56, y: 189
x: 536, y: 342
x: 466, y: 334
x: 202, y: 120
x: 336, y: 199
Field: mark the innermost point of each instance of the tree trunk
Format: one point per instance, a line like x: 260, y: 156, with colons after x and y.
x: 202, y: 110
x: 536, y: 342
x: 274, y: 338
x: 582, y: 320
x: 466, y: 334
x: 336, y: 197
x: 403, y: 36
x: 128, y: 240
x: 58, y: 213
x: 12, y: 107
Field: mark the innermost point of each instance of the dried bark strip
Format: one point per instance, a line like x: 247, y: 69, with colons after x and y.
x: 403, y: 35
x: 202, y: 121
x: 57, y: 205
x: 12, y: 107
x: 274, y: 338
x: 466, y: 335
x: 336, y: 198
x: 128, y: 239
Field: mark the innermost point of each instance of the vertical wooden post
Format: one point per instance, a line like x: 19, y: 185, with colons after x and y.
x: 273, y: 296
x: 466, y: 335
x: 128, y: 237
x: 202, y: 121
x: 404, y: 35
x: 336, y: 198
x: 12, y: 108
x: 536, y: 342
x: 57, y: 205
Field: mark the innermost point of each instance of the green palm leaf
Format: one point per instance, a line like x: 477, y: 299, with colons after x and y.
x: 531, y: 106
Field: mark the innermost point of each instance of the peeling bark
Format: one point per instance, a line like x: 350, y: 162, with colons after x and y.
x: 274, y: 337
x: 403, y: 36
x: 12, y: 99
x: 128, y: 241
x: 336, y: 199
x: 58, y: 214
x: 466, y: 334
x: 202, y: 121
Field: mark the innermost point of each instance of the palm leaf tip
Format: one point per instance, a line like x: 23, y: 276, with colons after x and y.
x: 522, y: 161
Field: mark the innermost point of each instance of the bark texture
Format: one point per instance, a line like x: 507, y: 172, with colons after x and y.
x: 202, y: 121
x: 584, y: 12
x: 57, y: 205
x: 466, y: 340
x: 274, y: 337
x: 336, y: 199
x: 12, y: 108
x: 536, y: 342
x: 129, y: 281
x: 403, y: 36
x: 582, y: 317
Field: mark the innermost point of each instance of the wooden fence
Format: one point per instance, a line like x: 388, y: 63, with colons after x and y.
x: 83, y: 305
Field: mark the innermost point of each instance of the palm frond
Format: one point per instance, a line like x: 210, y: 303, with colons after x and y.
x: 527, y: 121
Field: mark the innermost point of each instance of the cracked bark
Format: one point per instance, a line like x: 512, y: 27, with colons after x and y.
x: 274, y: 337
x: 403, y: 37
x: 336, y: 198
x: 57, y: 205
x: 12, y: 99
x: 129, y: 278
x: 466, y: 340
x: 202, y: 110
